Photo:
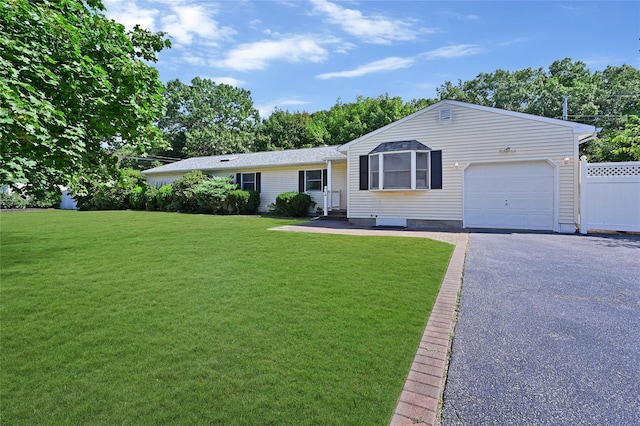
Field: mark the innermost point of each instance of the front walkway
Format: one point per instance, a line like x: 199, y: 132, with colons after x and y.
x: 420, y: 399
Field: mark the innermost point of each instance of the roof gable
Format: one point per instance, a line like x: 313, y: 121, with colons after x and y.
x: 582, y: 130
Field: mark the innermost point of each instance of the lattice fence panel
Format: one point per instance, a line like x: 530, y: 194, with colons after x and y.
x: 613, y: 170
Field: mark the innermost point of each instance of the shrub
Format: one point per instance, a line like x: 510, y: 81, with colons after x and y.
x: 237, y: 201
x: 138, y: 198
x: 243, y: 202
x: 12, y: 201
x: 212, y: 194
x: 293, y: 204
x: 253, y: 204
x: 112, y: 194
x: 109, y: 196
x: 16, y: 200
x: 151, y: 198
x: 164, y: 198
x: 184, y: 199
x: 50, y: 199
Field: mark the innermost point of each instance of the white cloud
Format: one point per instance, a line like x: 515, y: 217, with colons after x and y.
x: 344, y: 47
x: 267, y: 108
x: 130, y: 15
x: 453, y: 51
x: 181, y: 19
x: 387, y: 64
x: 197, y: 61
x: 461, y: 17
x: 189, y: 20
x: 255, y: 56
x: 228, y: 80
x: 513, y: 41
x: 371, y: 29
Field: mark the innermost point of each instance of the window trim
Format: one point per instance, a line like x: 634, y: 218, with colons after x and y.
x: 256, y: 181
x: 413, y: 171
x: 306, y: 180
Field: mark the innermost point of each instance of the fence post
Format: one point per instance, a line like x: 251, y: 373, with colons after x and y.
x: 583, y: 194
x: 325, y: 208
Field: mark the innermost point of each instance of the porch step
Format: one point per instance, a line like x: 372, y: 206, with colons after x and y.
x: 335, y: 215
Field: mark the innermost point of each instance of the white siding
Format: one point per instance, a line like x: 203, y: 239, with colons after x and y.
x: 159, y: 180
x: 472, y: 136
x: 339, y: 182
x: 277, y: 181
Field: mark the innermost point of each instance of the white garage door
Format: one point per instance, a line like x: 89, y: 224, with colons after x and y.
x: 517, y: 195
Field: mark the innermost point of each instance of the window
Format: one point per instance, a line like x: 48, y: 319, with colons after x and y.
x: 422, y: 170
x: 313, y: 180
x: 402, y: 165
x: 396, y: 171
x: 248, y: 181
x: 374, y: 168
x: 400, y: 170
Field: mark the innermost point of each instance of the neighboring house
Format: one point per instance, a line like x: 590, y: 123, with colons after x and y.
x: 271, y: 173
x: 461, y: 165
x: 452, y: 164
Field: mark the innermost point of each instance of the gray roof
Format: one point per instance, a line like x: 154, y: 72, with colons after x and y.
x: 412, y: 145
x: 252, y: 160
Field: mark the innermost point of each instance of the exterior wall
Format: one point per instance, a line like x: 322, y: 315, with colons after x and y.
x: 285, y: 179
x: 472, y: 136
x: 159, y: 180
x: 273, y: 181
x: 339, y: 182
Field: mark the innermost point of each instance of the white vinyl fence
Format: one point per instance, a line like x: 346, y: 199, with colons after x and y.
x: 67, y: 202
x: 609, y: 196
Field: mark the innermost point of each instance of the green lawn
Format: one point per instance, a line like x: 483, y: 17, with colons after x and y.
x: 163, y: 318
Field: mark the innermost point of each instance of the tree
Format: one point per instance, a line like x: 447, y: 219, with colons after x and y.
x: 625, y: 146
x: 345, y: 122
x: 73, y: 85
x: 285, y: 130
x: 206, y: 118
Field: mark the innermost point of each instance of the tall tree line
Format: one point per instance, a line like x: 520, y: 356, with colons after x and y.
x: 205, y: 118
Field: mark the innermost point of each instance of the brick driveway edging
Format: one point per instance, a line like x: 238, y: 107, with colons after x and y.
x: 420, y: 400
x: 421, y: 397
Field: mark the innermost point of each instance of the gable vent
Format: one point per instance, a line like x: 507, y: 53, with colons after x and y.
x: 445, y: 115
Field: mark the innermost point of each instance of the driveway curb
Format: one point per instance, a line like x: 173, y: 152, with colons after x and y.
x: 420, y: 399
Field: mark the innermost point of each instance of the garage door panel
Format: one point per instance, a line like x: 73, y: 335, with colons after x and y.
x: 510, y: 196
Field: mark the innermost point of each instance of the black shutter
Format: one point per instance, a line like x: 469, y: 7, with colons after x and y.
x: 324, y: 179
x: 364, y: 172
x: 436, y: 169
x: 258, y: 182
x: 239, y: 180
x: 301, y: 181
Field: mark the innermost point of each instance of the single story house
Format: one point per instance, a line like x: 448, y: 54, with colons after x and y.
x: 452, y: 164
x: 271, y: 173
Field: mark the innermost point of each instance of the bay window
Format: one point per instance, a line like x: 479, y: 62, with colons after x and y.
x: 404, y: 165
x: 399, y: 170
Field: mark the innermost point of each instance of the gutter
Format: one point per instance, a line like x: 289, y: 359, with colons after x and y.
x: 590, y: 138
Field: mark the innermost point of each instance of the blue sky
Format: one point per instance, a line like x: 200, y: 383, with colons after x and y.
x: 305, y: 55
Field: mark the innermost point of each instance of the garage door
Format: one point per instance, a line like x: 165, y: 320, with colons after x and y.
x: 517, y: 195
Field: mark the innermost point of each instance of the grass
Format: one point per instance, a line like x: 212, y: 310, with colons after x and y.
x: 158, y: 318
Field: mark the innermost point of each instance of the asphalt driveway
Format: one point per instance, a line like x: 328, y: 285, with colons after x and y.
x: 548, y: 332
